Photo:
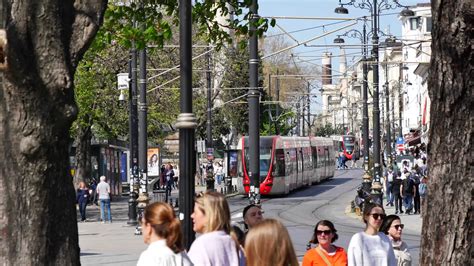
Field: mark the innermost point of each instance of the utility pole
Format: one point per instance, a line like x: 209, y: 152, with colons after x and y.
x: 277, y: 89
x: 186, y: 123
x: 254, y: 108
x: 377, y: 186
x: 209, y: 169
x: 387, y: 111
x: 143, y: 198
x: 309, y: 109
x: 133, y: 137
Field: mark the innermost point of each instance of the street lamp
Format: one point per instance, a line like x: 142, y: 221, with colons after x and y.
x: 375, y: 7
x: 362, y: 36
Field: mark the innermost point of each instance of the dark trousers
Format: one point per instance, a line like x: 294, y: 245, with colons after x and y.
x: 416, y: 202
x: 82, y: 209
x: 398, y: 202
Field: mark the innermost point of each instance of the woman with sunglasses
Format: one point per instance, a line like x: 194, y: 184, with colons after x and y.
x: 392, y: 226
x: 371, y: 247
x: 161, y: 230
x: 325, y: 253
x: 215, y: 246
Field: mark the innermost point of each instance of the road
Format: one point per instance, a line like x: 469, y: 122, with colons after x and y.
x: 299, y: 212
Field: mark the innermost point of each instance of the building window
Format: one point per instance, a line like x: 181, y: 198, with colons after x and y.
x: 429, y: 23
x: 414, y: 23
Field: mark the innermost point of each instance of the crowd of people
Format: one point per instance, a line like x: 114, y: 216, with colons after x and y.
x: 265, y: 241
x: 405, y: 185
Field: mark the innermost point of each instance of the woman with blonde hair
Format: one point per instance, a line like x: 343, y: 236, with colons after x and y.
x: 215, y: 246
x: 161, y: 230
x: 268, y: 243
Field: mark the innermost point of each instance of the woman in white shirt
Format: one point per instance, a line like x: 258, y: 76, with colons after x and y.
x: 162, y: 231
x: 371, y: 247
x: 215, y: 246
x: 393, y: 227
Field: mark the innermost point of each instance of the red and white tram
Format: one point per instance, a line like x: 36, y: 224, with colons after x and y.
x: 287, y: 163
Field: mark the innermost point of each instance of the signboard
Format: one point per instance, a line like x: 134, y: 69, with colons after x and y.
x: 153, y: 156
x: 400, y: 144
x: 201, y: 146
x: 122, y: 81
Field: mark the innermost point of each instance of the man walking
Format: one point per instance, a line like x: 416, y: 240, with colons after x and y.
x: 103, y: 190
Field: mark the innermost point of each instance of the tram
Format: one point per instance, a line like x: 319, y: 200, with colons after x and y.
x: 287, y: 163
x: 345, y: 144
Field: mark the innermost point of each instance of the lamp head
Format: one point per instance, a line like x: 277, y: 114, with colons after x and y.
x: 341, y: 10
x: 339, y: 39
x: 121, y: 96
x: 407, y: 12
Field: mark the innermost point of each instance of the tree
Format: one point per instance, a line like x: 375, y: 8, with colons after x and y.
x: 448, y: 215
x: 38, y: 215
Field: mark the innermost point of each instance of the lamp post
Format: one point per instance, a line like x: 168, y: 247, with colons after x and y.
x: 362, y: 36
x: 133, y: 138
x: 186, y: 123
x: 375, y: 7
x: 209, y: 170
x: 254, y: 108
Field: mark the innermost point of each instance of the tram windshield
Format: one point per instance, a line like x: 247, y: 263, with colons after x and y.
x: 349, y: 143
x: 265, y: 160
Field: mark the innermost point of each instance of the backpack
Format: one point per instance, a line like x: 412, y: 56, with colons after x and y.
x: 407, y: 186
x: 422, y: 188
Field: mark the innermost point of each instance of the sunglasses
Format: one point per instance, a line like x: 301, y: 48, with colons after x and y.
x: 399, y: 226
x: 320, y: 232
x: 378, y: 215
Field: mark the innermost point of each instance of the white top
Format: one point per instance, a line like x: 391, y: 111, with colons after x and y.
x: 103, y: 189
x: 158, y: 253
x: 368, y: 250
x: 217, y: 249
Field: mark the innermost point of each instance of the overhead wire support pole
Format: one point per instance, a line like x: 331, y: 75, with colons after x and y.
x: 142, y: 133
x: 186, y: 123
x: 254, y: 108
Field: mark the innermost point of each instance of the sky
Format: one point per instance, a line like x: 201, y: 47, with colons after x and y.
x: 389, y: 23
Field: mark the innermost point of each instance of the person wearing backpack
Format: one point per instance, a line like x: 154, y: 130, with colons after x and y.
x: 407, y: 190
x: 415, y: 176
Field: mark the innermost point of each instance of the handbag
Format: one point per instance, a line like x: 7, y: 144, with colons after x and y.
x: 321, y: 254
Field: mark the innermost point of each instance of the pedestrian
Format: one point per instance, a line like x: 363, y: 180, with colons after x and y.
x: 393, y: 227
x: 176, y: 176
x: 415, y: 178
x: 219, y: 173
x: 268, y: 243
x: 169, y: 174
x: 407, y: 190
x: 82, y: 198
x: 325, y: 253
x: 93, y: 192
x: 161, y: 230
x: 253, y: 214
x: 423, y: 189
x: 355, y: 155
x: 103, y: 190
x: 215, y: 246
x: 371, y: 247
x: 389, y: 185
x: 397, y: 197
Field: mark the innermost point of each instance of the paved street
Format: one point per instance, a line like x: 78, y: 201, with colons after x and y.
x: 116, y: 244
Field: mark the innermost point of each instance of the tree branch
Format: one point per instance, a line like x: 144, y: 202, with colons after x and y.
x: 89, y: 16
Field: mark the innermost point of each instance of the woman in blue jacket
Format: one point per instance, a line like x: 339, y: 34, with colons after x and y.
x: 82, y: 199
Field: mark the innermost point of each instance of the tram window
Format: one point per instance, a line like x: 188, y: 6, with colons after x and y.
x: 279, y: 163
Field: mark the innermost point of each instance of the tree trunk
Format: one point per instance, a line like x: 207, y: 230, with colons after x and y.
x: 46, y: 39
x: 83, y: 155
x: 448, y: 212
